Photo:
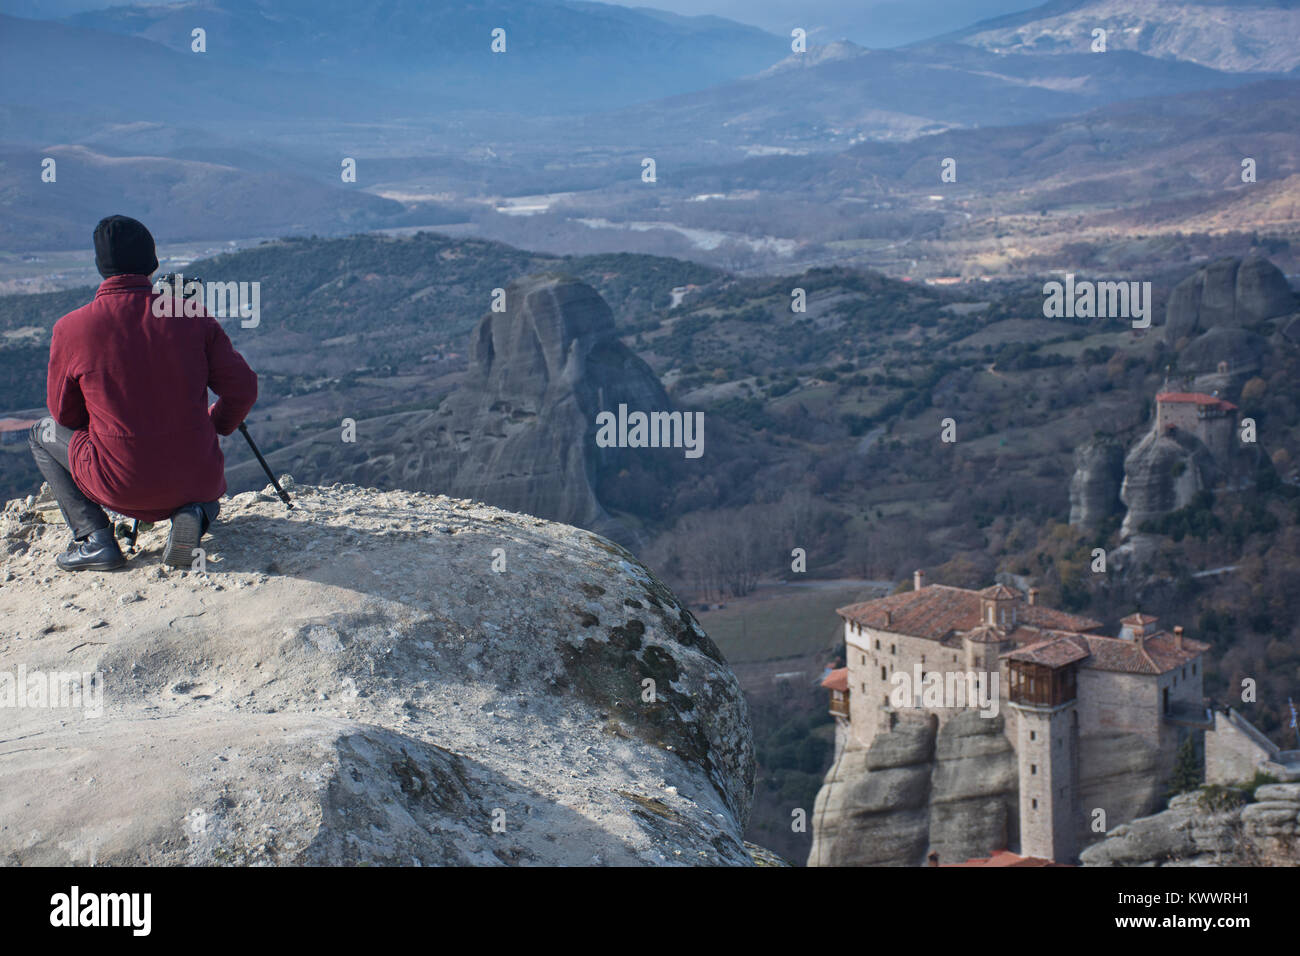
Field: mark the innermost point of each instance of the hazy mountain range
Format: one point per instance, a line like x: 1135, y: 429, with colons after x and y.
x: 1236, y: 35
x: 559, y: 55
x: 247, y: 139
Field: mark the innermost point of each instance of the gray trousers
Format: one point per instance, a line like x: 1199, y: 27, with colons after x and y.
x: 81, y: 514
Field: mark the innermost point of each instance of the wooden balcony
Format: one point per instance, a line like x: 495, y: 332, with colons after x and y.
x: 1040, y: 686
x: 840, y: 704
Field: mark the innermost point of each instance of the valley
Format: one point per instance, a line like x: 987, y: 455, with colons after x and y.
x: 836, y: 263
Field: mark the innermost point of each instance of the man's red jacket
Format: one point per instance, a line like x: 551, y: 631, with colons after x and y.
x: 135, y: 385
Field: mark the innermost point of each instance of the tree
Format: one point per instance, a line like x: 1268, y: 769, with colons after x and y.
x: 1187, y: 773
x: 1253, y: 390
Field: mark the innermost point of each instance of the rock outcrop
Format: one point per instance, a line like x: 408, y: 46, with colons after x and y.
x: 1203, y: 828
x: 974, y: 788
x: 370, y: 678
x: 1205, y: 320
x: 1094, y: 487
x: 1126, y: 775
x: 519, y: 432
x: 1228, y: 292
x: 1242, y: 353
x: 873, y: 806
x: 1163, y: 472
x: 915, y: 791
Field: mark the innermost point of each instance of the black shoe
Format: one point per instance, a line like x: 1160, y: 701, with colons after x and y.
x: 188, y: 525
x: 98, y: 551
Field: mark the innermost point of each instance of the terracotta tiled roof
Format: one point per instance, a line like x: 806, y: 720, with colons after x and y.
x: 837, y: 679
x: 1056, y: 651
x: 1139, y: 619
x: 1026, y: 635
x: 933, y: 611
x: 1197, y: 398
x: 1044, y: 635
x: 999, y: 592
x: 1006, y: 858
x: 1163, y: 648
x: 937, y: 611
x: 1050, y: 619
x: 1156, y: 654
x: 986, y: 634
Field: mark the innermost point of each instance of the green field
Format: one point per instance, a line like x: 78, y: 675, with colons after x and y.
x: 783, y: 619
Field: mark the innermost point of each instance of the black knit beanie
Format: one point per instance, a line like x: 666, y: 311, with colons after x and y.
x: 123, y: 246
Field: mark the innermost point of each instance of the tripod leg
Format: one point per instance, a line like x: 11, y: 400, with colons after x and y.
x: 243, y: 429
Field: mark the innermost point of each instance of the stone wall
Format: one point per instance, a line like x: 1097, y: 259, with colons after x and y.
x: 1177, y: 415
x: 1234, y: 750
x: 870, y: 688
x: 1111, y: 702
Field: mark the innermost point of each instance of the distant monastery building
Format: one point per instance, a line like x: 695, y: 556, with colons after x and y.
x: 1095, y: 720
x: 1210, y: 418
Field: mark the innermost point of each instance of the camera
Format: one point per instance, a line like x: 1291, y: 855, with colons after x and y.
x: 175, y: 283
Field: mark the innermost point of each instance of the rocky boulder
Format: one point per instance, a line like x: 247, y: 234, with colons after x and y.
x: 1241, y: 351
x: 370, y: 678
x: 873, y: 808
x: 519, y: 431
x: 974, y: 788
x: 1227, y: 292
x: 1262, y: 292
x: 916, y: 791
x: 1202, y: 828
x: 1126, y: 776
x: 1163, y: 472
x: 1094, y: 487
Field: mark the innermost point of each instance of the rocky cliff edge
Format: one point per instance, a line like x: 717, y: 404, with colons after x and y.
x: 371, y: 678
x: 1209, y: 828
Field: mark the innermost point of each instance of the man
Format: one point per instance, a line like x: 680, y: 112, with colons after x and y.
x: 131, y: 428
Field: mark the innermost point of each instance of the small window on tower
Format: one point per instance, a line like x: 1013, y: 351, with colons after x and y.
x: 1033, y: 735
x: 1034, y: 803
x: 1033, y: 769
x: 883, y: 674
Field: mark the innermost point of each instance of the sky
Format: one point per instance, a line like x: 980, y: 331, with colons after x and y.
x: 870, y: 23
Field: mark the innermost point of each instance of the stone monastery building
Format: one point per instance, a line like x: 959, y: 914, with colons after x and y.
x: 1095, y: 721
